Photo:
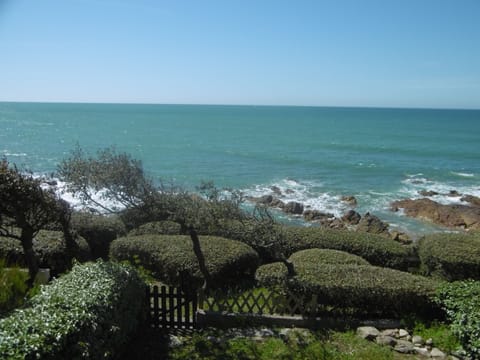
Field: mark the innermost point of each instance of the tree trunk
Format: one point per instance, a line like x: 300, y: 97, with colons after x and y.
x: 201, y: 259
x: 70, y: 244
x: 31, y: 260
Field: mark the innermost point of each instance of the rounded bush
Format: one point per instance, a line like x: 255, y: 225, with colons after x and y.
x: 50, y: 249
x: 376, y: 249
x: 171, y: 257
x: 88, y: 313
x: 450, y: 256
x: 367, y: 289
x: 157, y: 227
x: 347, y: 282
x: 98, y: 230
x: 326, y: 256
x: 272, y: 274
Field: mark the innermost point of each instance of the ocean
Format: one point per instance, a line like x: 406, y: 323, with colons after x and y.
x: 378, y: 155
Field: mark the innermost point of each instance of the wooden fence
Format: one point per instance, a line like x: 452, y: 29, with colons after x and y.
x: 171, y: 308
x: 261, y: 302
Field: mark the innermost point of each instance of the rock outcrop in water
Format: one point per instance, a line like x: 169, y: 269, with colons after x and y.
x: 452, y: 215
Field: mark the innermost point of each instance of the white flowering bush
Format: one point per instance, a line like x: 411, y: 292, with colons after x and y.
x: 88, y: 313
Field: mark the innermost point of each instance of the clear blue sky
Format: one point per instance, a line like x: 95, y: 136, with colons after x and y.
x: 405, y: 53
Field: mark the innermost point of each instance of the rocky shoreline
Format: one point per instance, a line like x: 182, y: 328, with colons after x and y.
x: 464, y: 214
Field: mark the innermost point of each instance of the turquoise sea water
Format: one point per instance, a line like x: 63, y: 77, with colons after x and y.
x: 377, y: 155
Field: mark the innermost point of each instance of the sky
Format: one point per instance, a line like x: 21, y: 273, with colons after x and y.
x: 385, y: 53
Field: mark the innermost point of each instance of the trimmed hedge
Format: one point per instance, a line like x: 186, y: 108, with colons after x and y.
x: 272, y: 274
x: 49, y: 247
x: 450, y: 256
x: 88, y: 313
x: 98, y: 230
x: 326, y: 256
x: 376, y: 249
x: 370, y: 289
x: 157, y: 227
x: 170, y: 257
x: 461, y: 302
x: 350, y: 283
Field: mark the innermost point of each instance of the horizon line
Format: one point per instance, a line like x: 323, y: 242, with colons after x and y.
x: 240, y: 105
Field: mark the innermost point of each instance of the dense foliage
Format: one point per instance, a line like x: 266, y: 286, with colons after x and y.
x: 49, y: 248
x: 27, y: 205
x: 12, y: 287
x: 461, y: 302
x: 172, y: 257
x: 165, y: 227
x: 451, y: 256
x: 347, y: 282
x: 376, y: 249
x: 98, y: 230
x: 326, y: 256
x: 114, y: 176
x: 88, y: 313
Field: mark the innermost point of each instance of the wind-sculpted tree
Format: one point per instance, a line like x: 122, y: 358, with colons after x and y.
x: 112, y: 176
x: 26, y: 207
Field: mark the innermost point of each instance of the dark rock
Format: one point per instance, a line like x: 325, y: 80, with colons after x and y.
x: 372, y: 224
x: 276, y: 190
x: 459, y: 216
x: 350, y: 200
x: 268, y: 200
x: 428, y: 193
x: 289, y: 191
x: 351, y: 217
x: 454, y: 193
x: 277, y: 203
x: 336, y: 224
x: 312, y: 215
x: 293, y: 207
x: 401, y: 237
x: 473, y: 200
x: 265, y: 199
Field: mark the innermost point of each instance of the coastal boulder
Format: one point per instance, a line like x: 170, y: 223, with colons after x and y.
x: 473, y: 200
x: 427, y: 193
x: 293, y: 207
x: 350, y: 200
x: 317, y: 215
x: 372, y: 224
x: 351, y: 217
x: 454, y: 215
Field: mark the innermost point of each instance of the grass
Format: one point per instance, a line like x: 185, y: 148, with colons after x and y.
x: 440, y: 333
x: 213, y: 344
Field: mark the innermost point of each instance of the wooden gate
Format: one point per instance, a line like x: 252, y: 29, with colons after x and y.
x: 171, y: 308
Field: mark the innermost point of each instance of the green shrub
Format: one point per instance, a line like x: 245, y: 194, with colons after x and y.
x: 376, y: 249
x: 88, y: 313
x: 264, y: 236
x: 272, y: 274
x: 326, y: 256
x: 450, y: 256
x: 169, y: 257
x: 157, y: 227
x: 49, y: 247
x: 461, y: 302
x: 369, y: 289
x: 99, y: 231
x: 352, y: 286
x: 13, y: 287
